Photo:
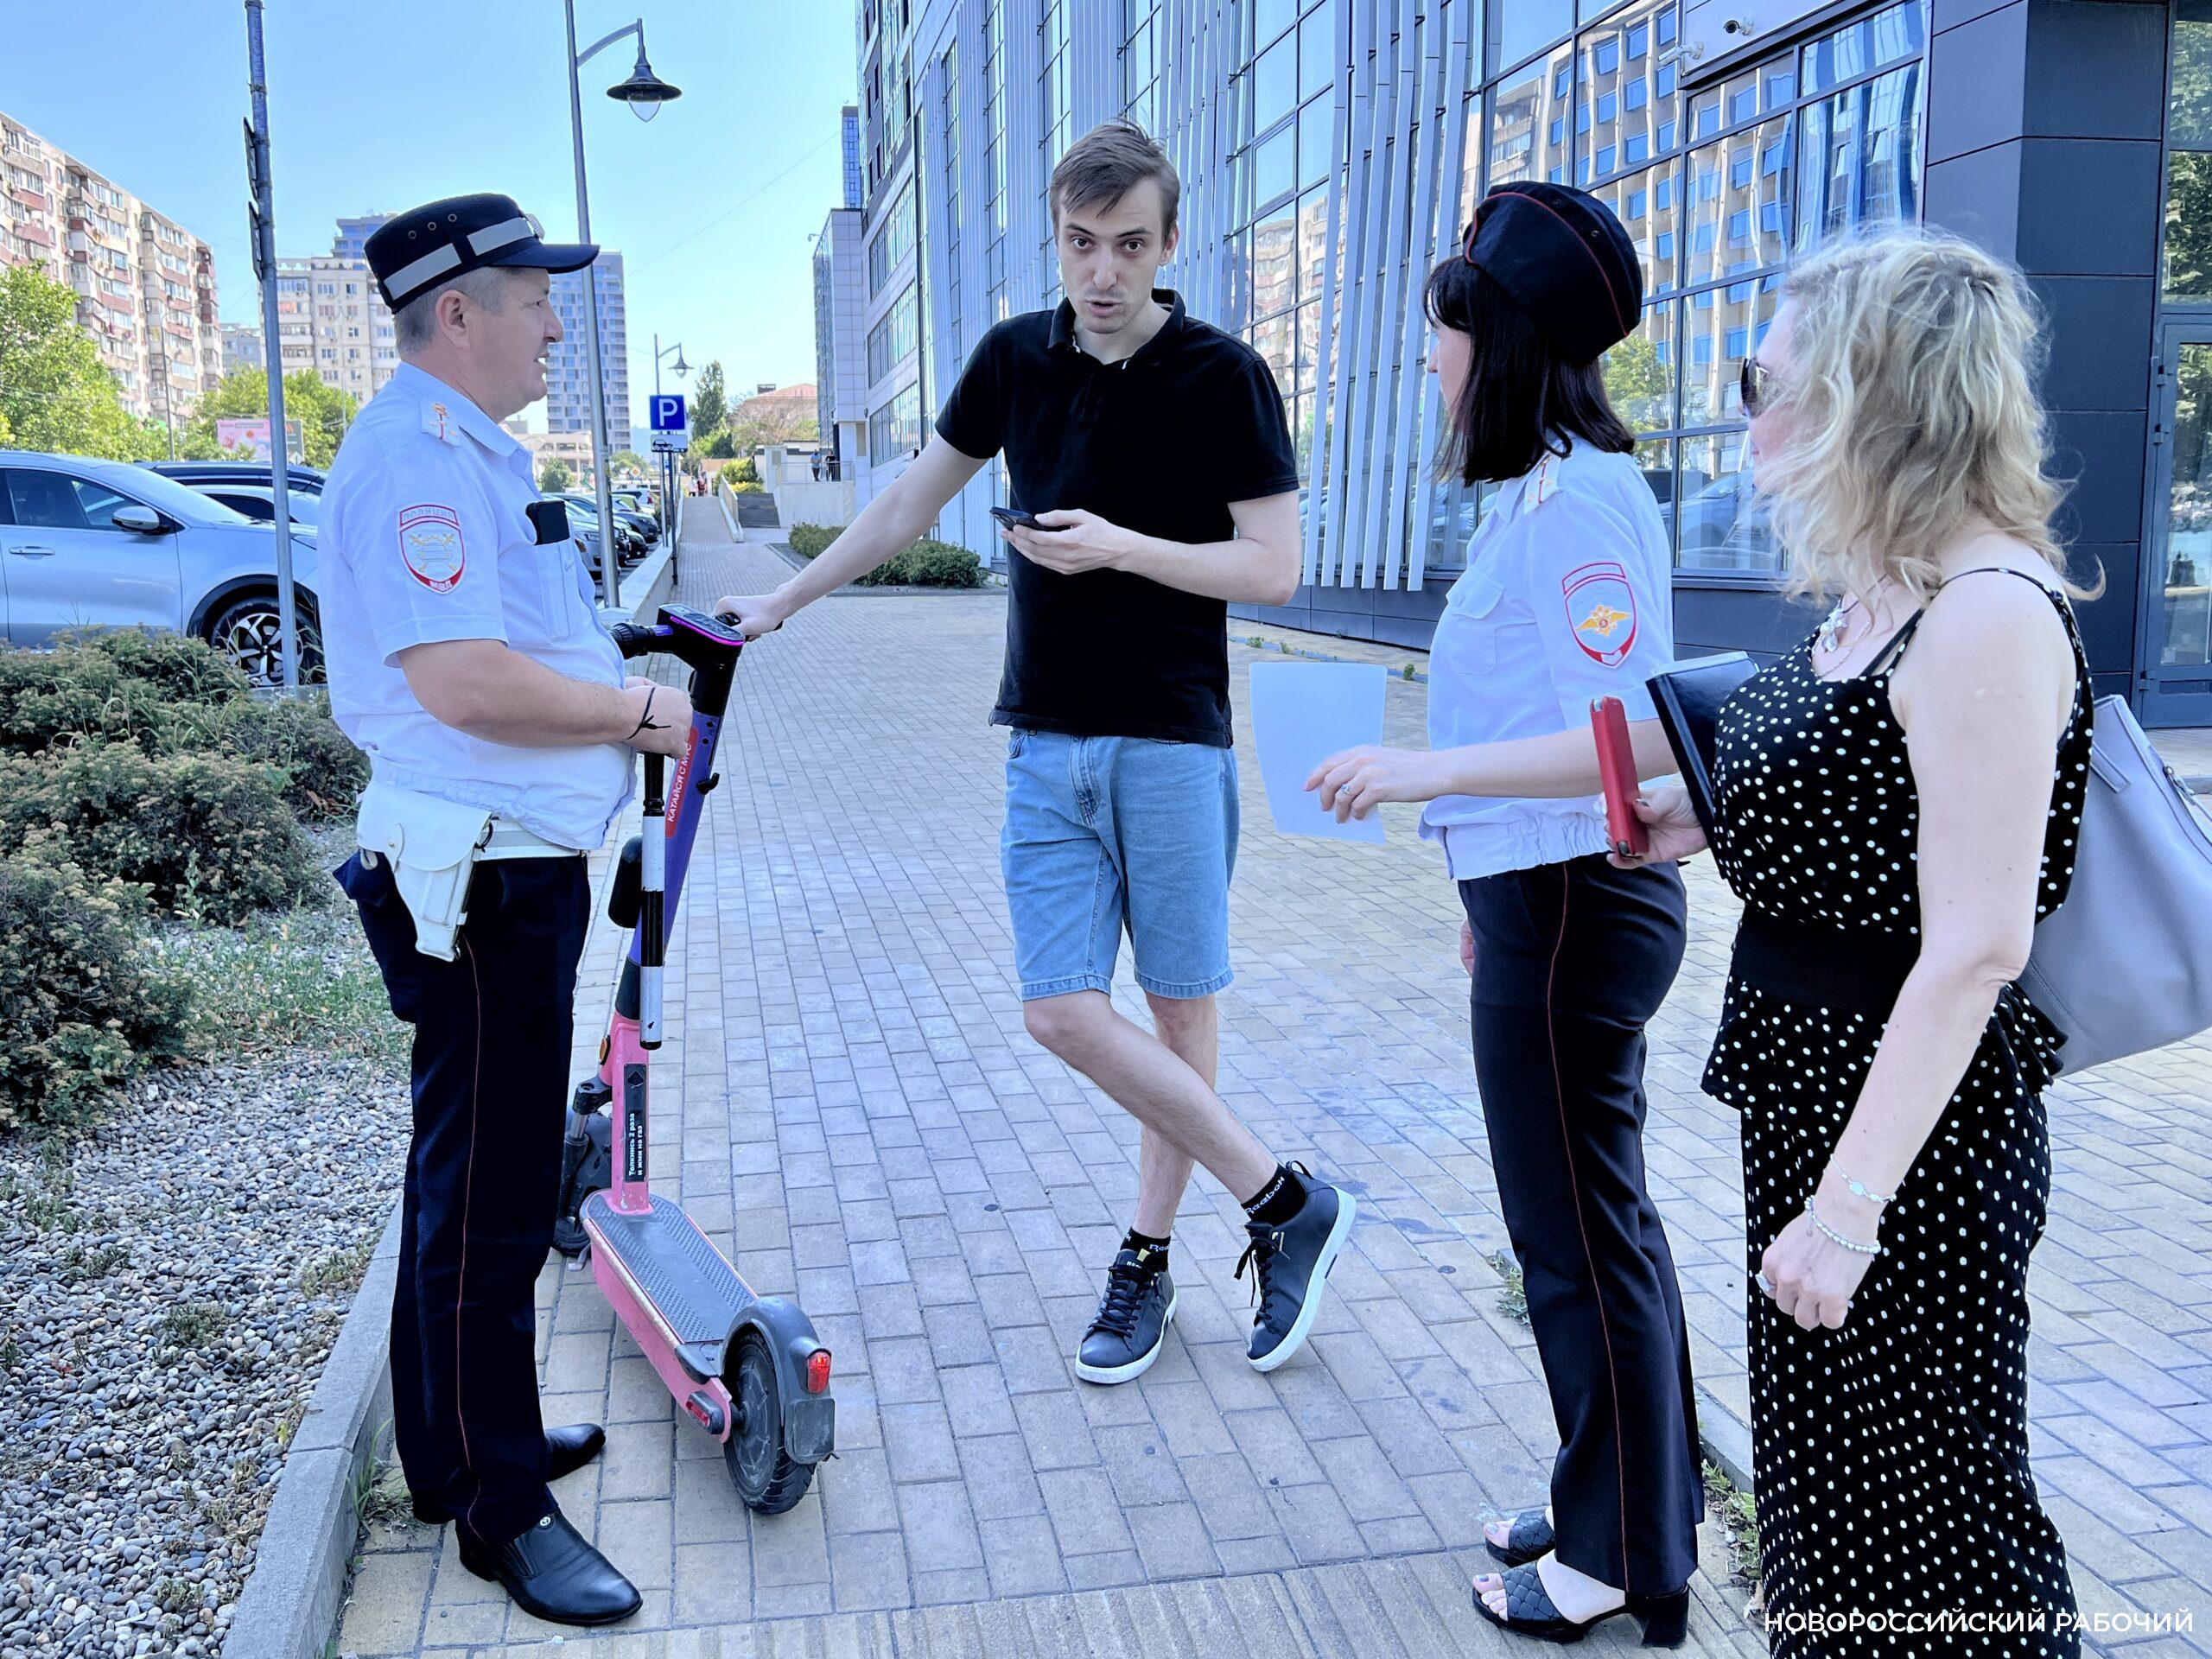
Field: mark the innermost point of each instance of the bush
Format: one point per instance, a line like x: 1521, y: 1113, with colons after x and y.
x: 205, y: 834
x: 927, y: 563
x: 808, y: 540
x: 124, y: 685
x: 80, y: 1008
x: 321, y: 774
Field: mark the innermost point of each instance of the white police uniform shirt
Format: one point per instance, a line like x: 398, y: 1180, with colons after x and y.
x: 1568, y: 596
x: 425, y: 537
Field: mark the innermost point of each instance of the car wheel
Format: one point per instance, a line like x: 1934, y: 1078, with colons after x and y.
x: 249, y: 631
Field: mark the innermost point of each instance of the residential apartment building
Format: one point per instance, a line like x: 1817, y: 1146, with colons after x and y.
x: 840, y: 299
x: 145, y: 286
x: 244, y: 347
x: 567, y: 383
x: 1331, y: 150
x: 331, y: 318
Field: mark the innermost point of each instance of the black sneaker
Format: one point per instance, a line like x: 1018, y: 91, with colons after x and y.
x: 1290, y: 1264
x: 1132, y: 1323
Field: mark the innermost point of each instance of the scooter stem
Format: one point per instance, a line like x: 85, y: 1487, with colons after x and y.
x: 652, y: 932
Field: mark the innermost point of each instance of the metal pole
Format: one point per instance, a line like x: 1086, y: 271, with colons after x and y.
x: 287, y: 618
x: 608, y: 562
x: 664, y: 489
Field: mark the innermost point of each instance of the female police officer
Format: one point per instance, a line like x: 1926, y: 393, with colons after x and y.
x: 1565, y: 598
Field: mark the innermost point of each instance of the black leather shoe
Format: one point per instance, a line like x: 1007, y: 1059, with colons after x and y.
x: 553, y: 1573
x: 566, y: 1449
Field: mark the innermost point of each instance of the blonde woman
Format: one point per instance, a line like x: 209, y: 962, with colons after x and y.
x: 1899, y: 800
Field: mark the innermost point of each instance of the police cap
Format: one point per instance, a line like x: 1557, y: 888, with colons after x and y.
x: 416, y: 250
x: 1562, y: 258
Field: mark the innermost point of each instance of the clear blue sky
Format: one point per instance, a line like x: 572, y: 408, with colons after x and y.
x: 375, y: 107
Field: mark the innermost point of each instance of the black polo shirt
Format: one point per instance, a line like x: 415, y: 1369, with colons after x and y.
x: 1160, y: 443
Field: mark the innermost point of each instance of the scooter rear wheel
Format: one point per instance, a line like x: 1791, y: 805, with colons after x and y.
x: 767, y: 1479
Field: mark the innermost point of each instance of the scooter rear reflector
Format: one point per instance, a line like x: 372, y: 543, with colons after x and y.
x: 818, y: 1371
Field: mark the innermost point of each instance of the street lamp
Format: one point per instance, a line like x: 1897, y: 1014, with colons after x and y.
x: 679, y: 368
x: 645, y: 92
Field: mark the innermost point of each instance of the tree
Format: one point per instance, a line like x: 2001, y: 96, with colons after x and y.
x: 1638, y: 385
x: 785, y: 415
x: 55, y: 391
x: 711, y: 401
x: 321, y: 412
x: 626, y: 461
x: 555, y: 476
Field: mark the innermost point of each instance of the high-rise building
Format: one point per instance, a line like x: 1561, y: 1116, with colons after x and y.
x: 568, y: 385
x: 244, y: 347
x: 839, y: 300
x: 330, y: 318
x: 145, y: 286
x: 1331, y: 151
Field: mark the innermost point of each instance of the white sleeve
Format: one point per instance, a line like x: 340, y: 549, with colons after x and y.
x: 423, y: 542
x: 1604, y: 619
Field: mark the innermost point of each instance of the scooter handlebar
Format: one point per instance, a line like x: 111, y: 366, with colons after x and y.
x: 637, y: 639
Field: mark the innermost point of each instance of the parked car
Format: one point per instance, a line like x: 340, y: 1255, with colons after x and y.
x: 646, y: 531
x: 301, y: 480
x: 259, y: 501
x: 584, y: 523
x: 104, y: 544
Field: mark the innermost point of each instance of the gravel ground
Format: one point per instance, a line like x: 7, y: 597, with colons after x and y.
x: 171, y: 1281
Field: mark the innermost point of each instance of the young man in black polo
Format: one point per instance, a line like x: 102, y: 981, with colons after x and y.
x: 1153, y: 449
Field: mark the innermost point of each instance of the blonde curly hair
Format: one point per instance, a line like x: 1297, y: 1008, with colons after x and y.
x: 1913, y: 413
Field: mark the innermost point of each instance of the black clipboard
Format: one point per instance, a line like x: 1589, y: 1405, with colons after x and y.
x: 1688, y: 698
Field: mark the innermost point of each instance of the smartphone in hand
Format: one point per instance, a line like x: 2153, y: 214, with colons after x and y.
x: 1624, y: 831
x: 1012, y: 516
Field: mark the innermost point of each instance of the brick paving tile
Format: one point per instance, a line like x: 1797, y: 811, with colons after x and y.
x: 849, y: 1105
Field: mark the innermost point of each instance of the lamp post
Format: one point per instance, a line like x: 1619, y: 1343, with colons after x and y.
x: 262, y: 219
x: 679, y: 368
x: 645, y: 92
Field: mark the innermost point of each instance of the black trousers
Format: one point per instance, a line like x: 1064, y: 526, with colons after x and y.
x: 491, y: 1067
x: 1570, y: 961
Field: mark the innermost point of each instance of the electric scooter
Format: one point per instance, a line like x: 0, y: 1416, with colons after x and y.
x: 749, y: 1368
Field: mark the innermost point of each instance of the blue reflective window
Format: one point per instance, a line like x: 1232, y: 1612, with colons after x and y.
x: 1559, y: 130
x: 1738, y: 341
x: 1663, y: 247
x: 1664, y: 191
x: 1559, y: 80
x: 1666, y: 135
x: 1638, y: 148
x: 1636, y: 94
x: 1639, y: 203
x: 1606, y: 161
x: 1704, y: 301
x: 1771, y: 218
x: 1667, y: 73
x: 1739, y: 226
x: 1582, y: 117
x: 1609, y: 107
x: 1739, y: 293
x: 1773, y: 158
x: 1669, y: 26
x: 1639, y: 39
x: 1701, y: 348
x: 1739, y: 172
x: 1607, y: 56
x: 1582, y: 171
x: 1702, y: 240
x: 1557, y: 176
x: 1744, y: 104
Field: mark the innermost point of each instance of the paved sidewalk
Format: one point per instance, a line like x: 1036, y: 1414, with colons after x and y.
x: 850, y: 1106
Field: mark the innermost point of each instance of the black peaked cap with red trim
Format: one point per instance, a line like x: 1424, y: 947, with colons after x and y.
x: 1564, y: 258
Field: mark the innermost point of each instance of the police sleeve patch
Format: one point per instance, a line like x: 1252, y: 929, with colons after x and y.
x: 431, y: 542
x: 1601, y: 611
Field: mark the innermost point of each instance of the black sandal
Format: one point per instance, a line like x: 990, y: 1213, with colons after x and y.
x: 1529, y: 1536
x: 1530, y: 1611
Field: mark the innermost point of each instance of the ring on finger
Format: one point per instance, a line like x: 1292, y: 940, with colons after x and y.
x: 1765, y: 1284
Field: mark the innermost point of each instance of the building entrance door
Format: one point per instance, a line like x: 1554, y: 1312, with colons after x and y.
x: 2175, y: 680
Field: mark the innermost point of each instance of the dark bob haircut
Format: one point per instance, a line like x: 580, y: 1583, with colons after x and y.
x: 1521, y: 398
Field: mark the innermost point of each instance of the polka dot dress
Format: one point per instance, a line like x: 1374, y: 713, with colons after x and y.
x: 1892, y: 1454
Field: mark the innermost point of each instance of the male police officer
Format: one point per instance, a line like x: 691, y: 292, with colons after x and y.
x: 466, y: 660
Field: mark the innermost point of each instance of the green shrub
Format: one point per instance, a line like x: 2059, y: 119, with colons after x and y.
x: 120, y: 683
x: 927, y: 564
x: 205, y: 834
x: 808, y: 540
x: 322, y: 773
x: 80, y: 1007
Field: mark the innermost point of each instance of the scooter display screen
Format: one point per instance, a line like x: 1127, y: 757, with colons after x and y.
x: 699, y: 622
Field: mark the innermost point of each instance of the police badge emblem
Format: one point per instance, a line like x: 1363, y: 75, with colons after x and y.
x: 431, y: 542
x: 1601, y: 610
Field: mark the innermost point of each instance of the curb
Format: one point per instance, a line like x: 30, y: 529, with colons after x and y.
x: 1722, y: 1439
x: 292, y: 1598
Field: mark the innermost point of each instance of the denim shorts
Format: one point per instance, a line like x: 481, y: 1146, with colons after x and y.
x: 1105, y: 835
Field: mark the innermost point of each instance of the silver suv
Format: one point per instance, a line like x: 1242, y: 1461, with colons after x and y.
x: 101, y: 544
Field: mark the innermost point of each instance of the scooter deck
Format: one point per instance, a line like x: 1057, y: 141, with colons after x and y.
x: 691, y: 1283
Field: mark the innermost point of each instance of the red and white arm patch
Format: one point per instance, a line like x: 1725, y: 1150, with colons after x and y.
x: 1601, y: 611
x: 431, y: 542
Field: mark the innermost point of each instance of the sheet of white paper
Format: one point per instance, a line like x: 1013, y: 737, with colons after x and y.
x: 1302, y: 713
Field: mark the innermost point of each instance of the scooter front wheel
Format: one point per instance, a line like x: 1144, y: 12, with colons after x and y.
x: 768, y: 1479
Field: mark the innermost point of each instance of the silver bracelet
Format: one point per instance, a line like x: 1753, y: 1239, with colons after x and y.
x: 1859, y: 1188
x: 1851, y: 1244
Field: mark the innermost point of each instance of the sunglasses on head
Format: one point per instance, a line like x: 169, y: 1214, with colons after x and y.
x: 1754, y: 385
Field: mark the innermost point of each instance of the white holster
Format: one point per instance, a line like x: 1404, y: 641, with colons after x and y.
x: 432, y: 846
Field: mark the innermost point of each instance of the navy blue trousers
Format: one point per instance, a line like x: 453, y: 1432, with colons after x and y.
x: 1570, y: 961
x: 490, y: 1074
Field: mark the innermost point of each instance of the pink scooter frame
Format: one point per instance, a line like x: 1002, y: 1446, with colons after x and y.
x: 748, y: 1369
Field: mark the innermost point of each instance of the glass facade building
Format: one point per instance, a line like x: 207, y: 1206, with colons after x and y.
x: 1331, y: 151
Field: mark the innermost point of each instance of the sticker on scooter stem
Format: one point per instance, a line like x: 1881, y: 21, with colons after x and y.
x: 429, y: 541
x: 633, y: 1123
